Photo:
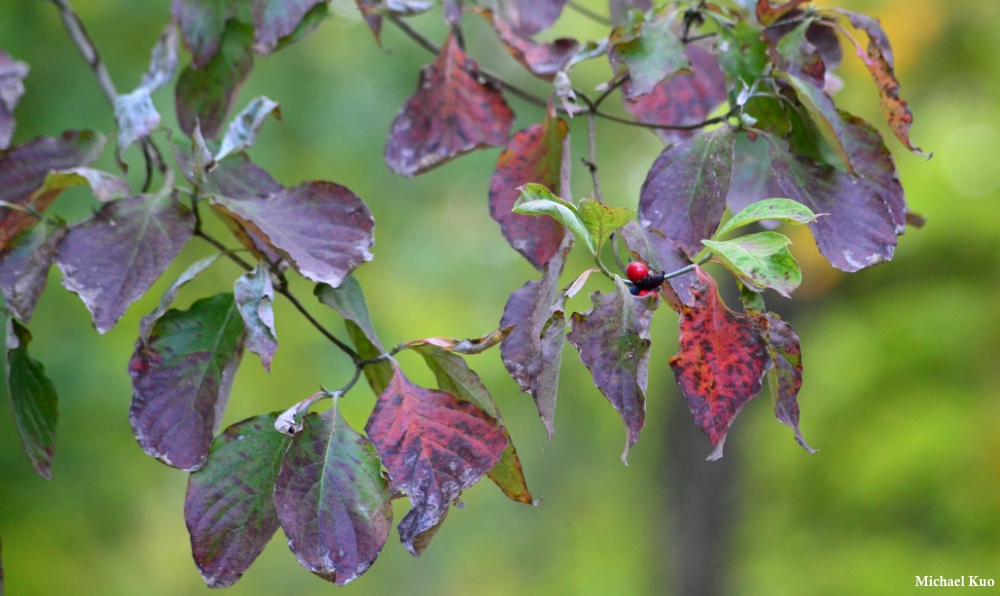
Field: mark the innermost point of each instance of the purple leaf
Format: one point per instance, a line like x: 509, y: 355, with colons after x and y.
x: 434, y: 446
x: 873, y: 162
x: 254, y: 295
x: 452, y: 11
x: 528, y: 17
x: 324, y: 229
x: 33, y: 398
x: 202, y: 24
x: 276, y: 19
x: 785, y: 378
x: 112, y: 259
x: 205, y: 94
x: 752, y: 178
x: 332, y: 499
x: 24, y: 267
x: 613, y: 341
x: 684, y: 194
x: 532, y: 352
x: 229, y: 505
x: 451, y: 113
x: 544, y: 59
x: 12, y: 72
x: 181, y: 380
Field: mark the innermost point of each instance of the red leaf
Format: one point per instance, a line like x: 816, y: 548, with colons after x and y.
x: 451, y: 113
x: 613, y: 340
x: 685, y: 98
x: 684, y: 194
x: 544, y: 59
x: 538, y: 154
x: 12, y: 72
x: 434, y: 446
x: 721, y: 362
x: 528, y: 17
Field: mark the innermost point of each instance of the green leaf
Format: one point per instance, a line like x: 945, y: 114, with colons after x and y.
x: 601, y: 220
x: 760, y: 261
x: 651, y: 50
x: 537, y: 200
x: 33, y: 398
x: 349, y: 301
x: 823, y: 114
x: 454, y: 376
x: 769, y: 210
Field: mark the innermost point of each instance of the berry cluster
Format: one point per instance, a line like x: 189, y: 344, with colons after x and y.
x: 642, y: 281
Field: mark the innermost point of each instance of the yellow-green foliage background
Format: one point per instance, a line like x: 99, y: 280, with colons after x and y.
x: 902, y: 383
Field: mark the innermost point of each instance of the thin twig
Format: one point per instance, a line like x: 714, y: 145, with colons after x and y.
x: 592, y: 156
x: 86, y: 47
x: 590, y: 14
x: 687, y: 268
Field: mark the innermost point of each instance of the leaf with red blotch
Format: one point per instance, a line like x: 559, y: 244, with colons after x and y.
x: 229, y: 506
x: 181, y: 380
x: 543, y: 59
x: 859, y: 229
x: 12, y: 72
x: 434, y: 446
x: 254, y: 294
x: 24, y: 267
x: 650, y: 49
x: 684, y: 194
x: 785, y: 377
x: 873, y: 162
x: 721, y: 362
x: 112, y: 259
x: 538, y: 154
x: 24, y: 168
x: 452, y: 113
x: 662, y: 254
x: 879, y: 60
x: 767, y: 14
x: 613, y: 340
x: 332, y: 499
x: 683, y: 99
x: 532, y: 352
x: 322, y: 228
x: 33, y: 398
x: 528, y: 17
x: 205, y: 95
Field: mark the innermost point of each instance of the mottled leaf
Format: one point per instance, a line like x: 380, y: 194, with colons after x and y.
x: 650, y: 49
x: 434, y: 446
x: 602, y: 221
x: 662, y: 254
x: 23, y: 170
x: 229, y: 505
x: 760, y: 261
x: 202, y: 24
x: 613, y: 340
x: 242, y: 131
x: 767, y: 13
x: 745, y: 59
x: 452, y: 112
x: 684, y: 194
x: 824, y: 115
x: 721, y: 362
x: 323, y: 229
x: 785, y: 378
x: 535, y: 199
x: 528, y: 17
x: 193, y: 271
x: 476, y: 345
x: 181, y: 380
x: 33, y: 398
x: 537, y: 154
x: 349, y: 302
x: 683, y: 99
x: 134, y: 112
x: 332, y: 499
x: 12, y: 73
x: 532, y: 352
x: 785, y: 210
x: 792, y: 52
x: 544, y: 59
x: 112, y: 259
x: 254, y: 295
x: 275, y: 19
x: 205, y: 94
x: 24, y: 267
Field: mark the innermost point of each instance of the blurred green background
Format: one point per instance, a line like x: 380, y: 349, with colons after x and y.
x: 901, y: 376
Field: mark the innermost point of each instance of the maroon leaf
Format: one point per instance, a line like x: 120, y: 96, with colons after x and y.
x: 23, y: 170
x: 324, y: 229
x: 275, y: 19
x: 859, y: 229
x: 181, y: 380
x: 684, y: 194
x: 532, y: 352
x: 254, y: 294
x: 544, y: 59
x: 613, y: 340
x: 721, y: 362
x: 683, y: 99
x: 112, y: 259
x: 662, y: 254
x: 873, y: 162
x: 528, y: 17
x: 451, y: 113
x: 33, y: 399
x: 237, y: 177
x: 434, y: 446
x: 785, y: 378
x: 205, y: 94
x: 24, y: 268
x: 538, y: 154
x: 12, y: 72
x: 332, y: 499
x: 229, y: 505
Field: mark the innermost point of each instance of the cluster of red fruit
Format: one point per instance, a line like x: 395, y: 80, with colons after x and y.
x: 642, y: 281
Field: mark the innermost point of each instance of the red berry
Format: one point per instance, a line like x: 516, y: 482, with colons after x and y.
x: 636, y: 271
